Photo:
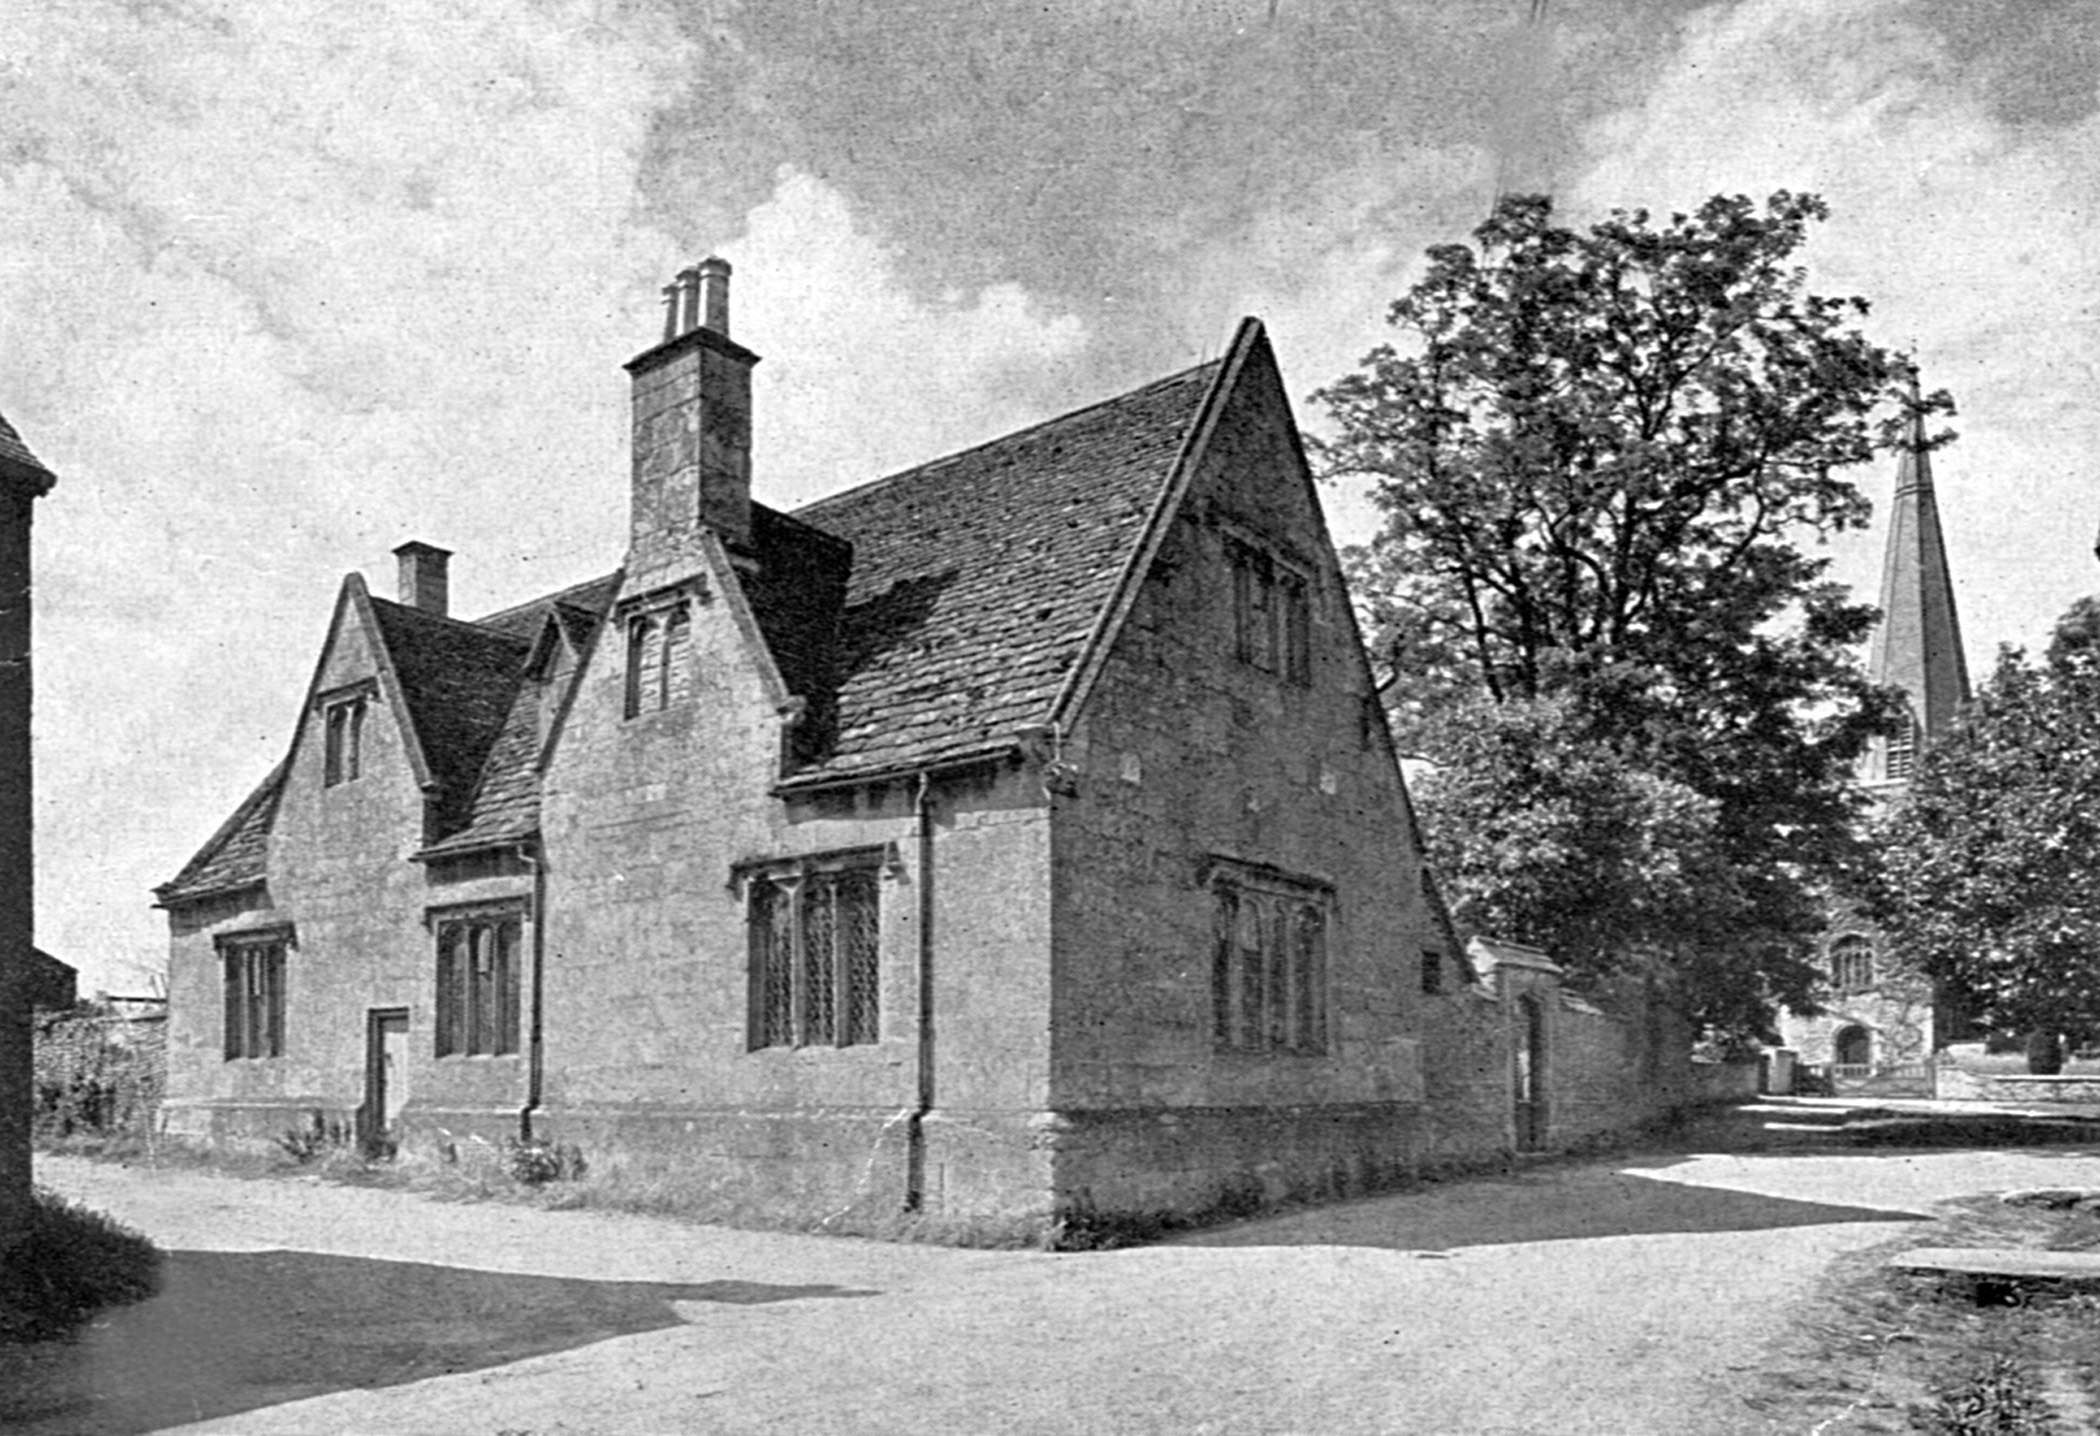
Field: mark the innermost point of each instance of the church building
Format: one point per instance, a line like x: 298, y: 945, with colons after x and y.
x: 1877, y: 1030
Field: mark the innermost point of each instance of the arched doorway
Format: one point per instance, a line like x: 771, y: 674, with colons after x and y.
x: 1531, y: 1074
x: 1854, y: 1047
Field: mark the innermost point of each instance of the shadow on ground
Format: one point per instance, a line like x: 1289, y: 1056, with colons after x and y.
x: 1540, y: 1205
x: 232, y: 1331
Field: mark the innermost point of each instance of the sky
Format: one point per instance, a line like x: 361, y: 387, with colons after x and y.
x: 284, y: 285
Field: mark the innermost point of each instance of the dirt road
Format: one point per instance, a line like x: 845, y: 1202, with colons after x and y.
x: 1608, y: 1297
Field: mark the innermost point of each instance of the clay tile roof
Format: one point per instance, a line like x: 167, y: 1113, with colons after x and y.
x: 233, y: 856
x: 977, y: 579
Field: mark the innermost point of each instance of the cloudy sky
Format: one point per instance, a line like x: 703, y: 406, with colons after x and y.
x: 283, y: 285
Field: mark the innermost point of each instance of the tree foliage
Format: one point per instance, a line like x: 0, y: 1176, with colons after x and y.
x: 1599, y: 460
x: 1987, y: 878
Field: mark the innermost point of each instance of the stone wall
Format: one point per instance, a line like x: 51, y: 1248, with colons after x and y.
x: 1607, y: 1071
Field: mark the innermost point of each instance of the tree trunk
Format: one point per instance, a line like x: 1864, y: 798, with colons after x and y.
x: 2045, y: 1053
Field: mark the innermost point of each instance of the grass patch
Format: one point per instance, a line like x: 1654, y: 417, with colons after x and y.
x: 1876, y: 1350
x: 73, y: 1263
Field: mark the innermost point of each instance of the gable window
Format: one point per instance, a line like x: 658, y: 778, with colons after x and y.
x: 816, y: 951
x: 1271, y: 613
x: 477, y: 983
x: 659, y: 641
x: 1268, y: 965
x: 1432, y: 971
x: 343, y: 739
x: 254, y: 976
x: 1852, y: 964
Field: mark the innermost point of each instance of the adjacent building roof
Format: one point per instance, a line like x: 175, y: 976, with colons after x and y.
x: 19, y: 467
x: 14, y: 451
x: 922, y: 618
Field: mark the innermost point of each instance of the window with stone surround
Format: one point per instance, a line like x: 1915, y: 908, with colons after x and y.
x: 342, y: 738
x: 1268, y: 961
x: 1852, y: 963
x: 659, y: 643
x: 815, y: 933
x: 254, y: 978
x: 478, y: 980
x: 1271, y: 613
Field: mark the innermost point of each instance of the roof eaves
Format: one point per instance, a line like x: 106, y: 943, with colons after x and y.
x: 975, y: 756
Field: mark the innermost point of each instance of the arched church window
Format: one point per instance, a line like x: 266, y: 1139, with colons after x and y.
x: 1852, y: 964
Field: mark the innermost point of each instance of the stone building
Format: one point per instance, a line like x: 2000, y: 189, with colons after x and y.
x: 1017, y: 834
x: 1877, y: 1029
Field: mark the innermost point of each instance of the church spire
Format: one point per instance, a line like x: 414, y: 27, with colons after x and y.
x: 1917, y: 646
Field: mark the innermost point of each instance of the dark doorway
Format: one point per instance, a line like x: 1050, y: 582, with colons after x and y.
x: 1531, y: 1075
x: 1855, y: 1047
x: 386, y: 1078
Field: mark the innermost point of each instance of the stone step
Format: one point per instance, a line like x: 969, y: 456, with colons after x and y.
x: 1997, y: 1273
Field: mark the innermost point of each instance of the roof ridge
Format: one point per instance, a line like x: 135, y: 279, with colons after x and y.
x: 560, y: 595
x: 1177, y: 377
x: 471, y: 625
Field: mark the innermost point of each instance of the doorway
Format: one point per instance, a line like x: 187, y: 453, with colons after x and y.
x: 386, y: 1078
x: 1854, y: 1047
x: 1531, y: 1074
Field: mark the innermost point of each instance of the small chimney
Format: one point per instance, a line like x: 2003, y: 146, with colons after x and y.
x: 423, y: 583
x: 692, y: 425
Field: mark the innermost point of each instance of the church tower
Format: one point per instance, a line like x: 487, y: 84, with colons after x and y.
x: 1917, y: 646
x: 1880, y: 1025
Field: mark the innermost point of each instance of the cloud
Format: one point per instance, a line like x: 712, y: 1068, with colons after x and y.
x: 285, y: 288
x: 853, y: 363
x: 1972, y: 235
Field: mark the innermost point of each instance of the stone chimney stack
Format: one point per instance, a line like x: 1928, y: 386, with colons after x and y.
x: 692, y: 425
x: 423, y: 581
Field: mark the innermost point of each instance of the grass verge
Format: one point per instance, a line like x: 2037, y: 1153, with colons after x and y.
x: 1876, y: 1350
x: 73, y: 1263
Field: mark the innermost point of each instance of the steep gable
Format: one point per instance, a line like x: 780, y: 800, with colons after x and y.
x: 977, y: 580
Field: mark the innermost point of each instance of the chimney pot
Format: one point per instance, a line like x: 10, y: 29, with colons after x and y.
x: 712, y: 276
x: 674, y: 296
x: 423, y: 583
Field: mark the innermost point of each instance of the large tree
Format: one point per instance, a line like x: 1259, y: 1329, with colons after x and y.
x: 1603, y: 456
x: 1987, y: 880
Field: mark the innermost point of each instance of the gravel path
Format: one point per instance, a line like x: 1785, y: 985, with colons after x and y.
x: 1627, y: 1296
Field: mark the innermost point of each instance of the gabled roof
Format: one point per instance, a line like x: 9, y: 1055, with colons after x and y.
x: 977, y: 579
x: 458, y: 680
x: 922, y: 618
x: 499, y: 802
x: 233, y: 857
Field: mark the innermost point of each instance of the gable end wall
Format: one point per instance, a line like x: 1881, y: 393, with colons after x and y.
x: 1185, y: 753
